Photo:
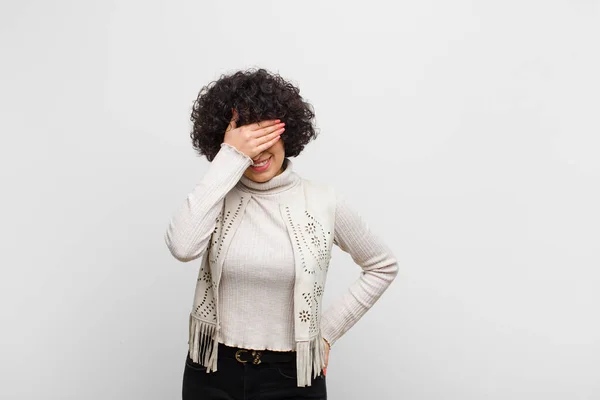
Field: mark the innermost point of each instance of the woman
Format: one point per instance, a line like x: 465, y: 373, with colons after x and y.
x: 264, y: 237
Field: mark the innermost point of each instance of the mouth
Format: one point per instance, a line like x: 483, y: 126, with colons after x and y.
x: 261, y: 165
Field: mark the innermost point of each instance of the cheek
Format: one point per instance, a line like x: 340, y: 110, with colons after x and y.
x: 278, y: 149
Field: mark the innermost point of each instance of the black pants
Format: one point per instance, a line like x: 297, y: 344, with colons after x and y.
x: 243, y: 378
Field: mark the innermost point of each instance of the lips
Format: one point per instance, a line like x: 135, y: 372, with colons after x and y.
x: 257, y: 167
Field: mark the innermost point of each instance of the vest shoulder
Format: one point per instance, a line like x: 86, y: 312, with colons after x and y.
x: 321, y: 195
x: 320, y: 186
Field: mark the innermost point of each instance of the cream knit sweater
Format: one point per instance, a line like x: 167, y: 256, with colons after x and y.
x: 256, y: 289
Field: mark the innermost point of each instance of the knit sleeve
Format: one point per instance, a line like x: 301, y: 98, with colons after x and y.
x: 190, y: 227
x: 379, y: 268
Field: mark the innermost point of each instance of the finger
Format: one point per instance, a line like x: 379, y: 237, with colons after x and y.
x: 263, y: 124
x: 264, y: 139
x: 267, y: 130
x: 270, y: 143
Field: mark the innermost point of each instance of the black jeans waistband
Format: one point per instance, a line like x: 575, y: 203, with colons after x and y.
x: 255, y: 356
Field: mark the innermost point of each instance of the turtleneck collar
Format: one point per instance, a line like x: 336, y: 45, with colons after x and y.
x: 282, y: 182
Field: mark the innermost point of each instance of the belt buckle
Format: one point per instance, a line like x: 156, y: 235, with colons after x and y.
x: 255, y: 354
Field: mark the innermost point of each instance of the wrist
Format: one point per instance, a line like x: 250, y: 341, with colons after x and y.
x: 237, y: 151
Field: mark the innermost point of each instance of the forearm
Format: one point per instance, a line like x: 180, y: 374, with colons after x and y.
x: 191, y: 226
x: 358, y: 299
x: 379, y: 268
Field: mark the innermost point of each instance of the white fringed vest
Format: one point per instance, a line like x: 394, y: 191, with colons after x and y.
x: 310, y: 224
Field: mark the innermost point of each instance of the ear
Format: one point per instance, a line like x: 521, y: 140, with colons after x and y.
x: 234, y: 118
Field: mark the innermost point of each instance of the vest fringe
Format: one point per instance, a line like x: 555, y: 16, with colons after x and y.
x: 310, y: 360
x: 202, y: 344
x: 310, y: 355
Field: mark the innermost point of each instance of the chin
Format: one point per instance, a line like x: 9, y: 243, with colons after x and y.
x: 261, y: 178
x: 264, y: 177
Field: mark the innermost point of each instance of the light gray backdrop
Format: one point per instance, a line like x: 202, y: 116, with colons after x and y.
x: 465, y: 132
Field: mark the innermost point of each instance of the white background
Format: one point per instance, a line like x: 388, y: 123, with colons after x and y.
x: 466, y: 132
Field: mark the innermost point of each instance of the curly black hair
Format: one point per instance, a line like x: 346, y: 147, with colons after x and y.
x: 256, y: 95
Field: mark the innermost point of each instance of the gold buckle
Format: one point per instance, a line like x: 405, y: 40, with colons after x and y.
x: 237, y: 355
x: 255, y: 354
